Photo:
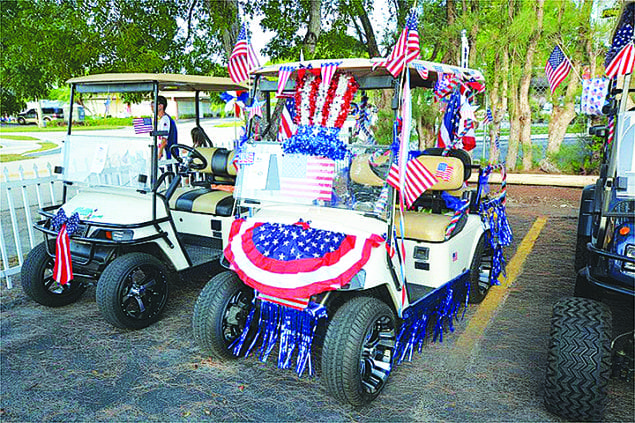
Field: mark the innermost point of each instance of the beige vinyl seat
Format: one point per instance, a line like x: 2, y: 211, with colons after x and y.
x: 210, y: 199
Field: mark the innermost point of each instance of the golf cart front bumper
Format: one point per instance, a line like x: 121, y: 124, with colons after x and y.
x: 94, y: 243
x: 602, y: 274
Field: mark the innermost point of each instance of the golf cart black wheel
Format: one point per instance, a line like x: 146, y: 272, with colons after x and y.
x: 37, y: 280
x: 220, y: 314
x: 578, y: 365
x: 480, y: 272
x: 358, y: 351
x: 133, y: 290
x: 581, y: 252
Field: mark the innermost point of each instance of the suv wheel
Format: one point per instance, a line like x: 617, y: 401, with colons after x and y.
x: 21, y: 121
x: 578, y: 365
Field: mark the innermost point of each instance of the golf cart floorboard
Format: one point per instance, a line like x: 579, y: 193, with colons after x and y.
x: 201, y: 249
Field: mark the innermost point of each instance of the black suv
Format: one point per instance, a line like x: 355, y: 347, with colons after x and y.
x: 48, y: 114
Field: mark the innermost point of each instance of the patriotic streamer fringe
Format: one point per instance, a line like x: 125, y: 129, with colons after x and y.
x: 439, y: 310
x: 293, y: 330
x: 494, y: 215
x: 66, y: 226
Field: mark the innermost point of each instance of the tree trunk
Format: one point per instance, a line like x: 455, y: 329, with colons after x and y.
x: 514, y: 126
x: 371, y: 41
x: 525, y: 81
x: 561, y: 117
x: 313, y: 30
x: 230, y: 33
x: 498, y: 101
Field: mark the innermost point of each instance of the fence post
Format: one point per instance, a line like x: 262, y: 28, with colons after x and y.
x: 27, y: 207
x: 14, y: 222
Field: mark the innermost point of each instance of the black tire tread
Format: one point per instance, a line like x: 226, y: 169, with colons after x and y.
x: 108, y: 287
x: 342, y: 345
x: 209, y: 311
x: 578, y: 365
x: 32, y: 284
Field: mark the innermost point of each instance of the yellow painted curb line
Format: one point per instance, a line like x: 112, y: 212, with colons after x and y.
x: 497, y: 294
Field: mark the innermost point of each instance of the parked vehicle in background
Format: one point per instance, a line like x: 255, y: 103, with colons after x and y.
x: 585, y: 350
x: 48, y: 114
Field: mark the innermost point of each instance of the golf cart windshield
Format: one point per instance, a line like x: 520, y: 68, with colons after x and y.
x: 108, y: 161
x: 354, y: 182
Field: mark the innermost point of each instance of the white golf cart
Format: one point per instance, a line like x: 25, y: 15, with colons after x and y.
x: 132, y: 225
x: 326, y: 245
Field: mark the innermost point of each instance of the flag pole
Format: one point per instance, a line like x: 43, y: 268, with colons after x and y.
x: 570, y: 62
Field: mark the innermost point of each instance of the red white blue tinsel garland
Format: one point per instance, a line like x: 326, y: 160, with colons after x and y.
x: 293, y: 330
x: 440, y: 308
x: 494, y: 214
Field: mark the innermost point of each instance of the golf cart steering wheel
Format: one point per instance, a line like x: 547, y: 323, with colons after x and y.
x: 188, y: 163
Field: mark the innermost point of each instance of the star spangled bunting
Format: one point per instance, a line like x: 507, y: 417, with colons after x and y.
x: 557, y: 68
x: 242, y: 59
x: 327, y: 70
x: 142, y: 125
x: 407, y: 48
x: 283, y: 76
x: 417, y: 179
x: 623, y: 62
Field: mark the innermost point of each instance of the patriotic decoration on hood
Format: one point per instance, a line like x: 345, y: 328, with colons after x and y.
x: 557, y: 68
x: 307, y: 177
x: 320, y: 113
x: 407, y: 48
x: 623, y: 62
x: 63, y: 268
x: 457, y: 127
x: 287, y: 125
x: 243, y: 58
x: 292, y: 261
x: 142, y: 125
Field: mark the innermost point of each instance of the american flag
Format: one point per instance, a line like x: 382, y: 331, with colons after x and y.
x: 557, y: 68
x: 488, y: 117
x: 307, y: 177
x: 142, y: 125
x: 421, y: 70
x: 446, y: 83
x: 623, y: 34
x: 407, y: 48
x: 417, y: 179
x: 457, y: 127
x: 444, y: 171
x: 242, y: 59
x: 287, y: 126
x: 63, y: 267
x: 623, y: 62
x: 327, y: 70
x: 283, y: 76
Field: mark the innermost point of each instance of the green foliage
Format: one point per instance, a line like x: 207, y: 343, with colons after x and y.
x: 583, y: 157
x: 9, y: 103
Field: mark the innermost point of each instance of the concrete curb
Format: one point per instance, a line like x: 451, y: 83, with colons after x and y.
x: 569, y: 181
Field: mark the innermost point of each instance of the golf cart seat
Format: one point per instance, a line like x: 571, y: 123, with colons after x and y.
x: 215, y: 195
x: 431, y: 226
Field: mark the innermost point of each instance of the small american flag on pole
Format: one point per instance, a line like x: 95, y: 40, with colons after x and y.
x: 142, y: 125
x: 557, y: 68
x: 488, y: 117
x: 417, y: 179
x: 287, y: 126
x: 407, y: 48
x: 283, y: 76
x: 243, y: 58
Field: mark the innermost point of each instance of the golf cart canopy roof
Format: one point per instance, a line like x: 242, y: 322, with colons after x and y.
x: 372, y: 74
x: 131, y: 82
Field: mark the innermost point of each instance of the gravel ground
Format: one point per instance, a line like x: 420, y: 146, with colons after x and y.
x: 67, y: 364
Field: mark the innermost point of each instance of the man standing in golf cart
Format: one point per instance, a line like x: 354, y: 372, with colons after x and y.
x: 165, y: 124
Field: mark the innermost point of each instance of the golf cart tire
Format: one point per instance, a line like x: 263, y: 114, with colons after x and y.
x: 116, y: 283
x: 578, y: 364
x: 478, y: 291
x: 36, y: 278
x: 211, y: 313
x: 343, y: 364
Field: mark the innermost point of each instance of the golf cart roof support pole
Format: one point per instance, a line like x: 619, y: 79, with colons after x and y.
x: 197, y: 108
x: 155, y: 155
x: 68, y: 132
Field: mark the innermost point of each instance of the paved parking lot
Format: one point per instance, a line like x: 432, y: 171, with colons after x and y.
x: 67, y: 364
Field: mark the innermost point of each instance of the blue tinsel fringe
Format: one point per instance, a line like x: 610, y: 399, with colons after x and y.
x: 441, y: 307
x: 293, y: 329
x: 316, y: 140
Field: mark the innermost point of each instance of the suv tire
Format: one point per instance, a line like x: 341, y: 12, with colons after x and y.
x: 578, y: 364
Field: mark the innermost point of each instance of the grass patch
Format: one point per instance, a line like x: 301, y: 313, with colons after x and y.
x: 234, y: 124
x: 18, y: 137
x: 33, y: 128
x: 44, y: 146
